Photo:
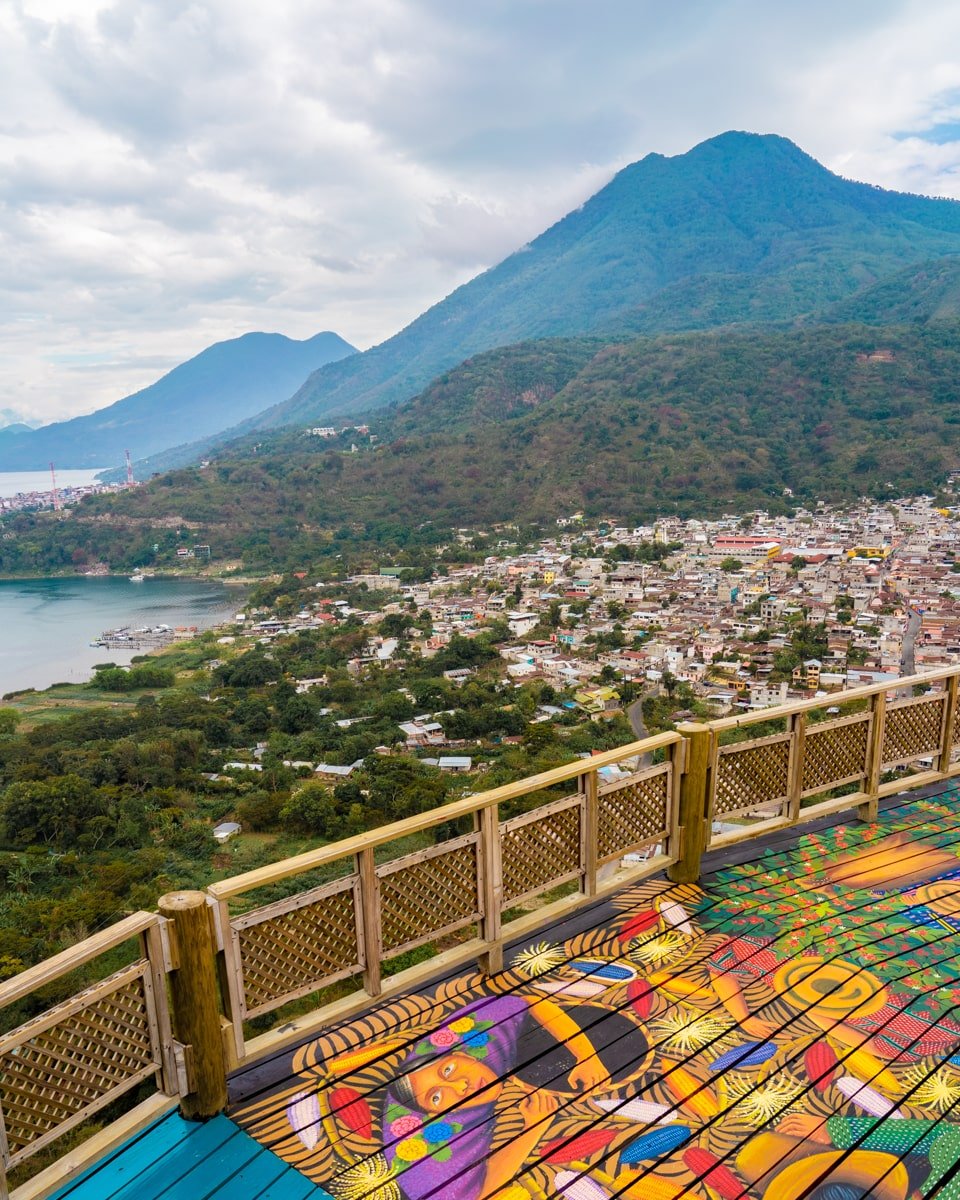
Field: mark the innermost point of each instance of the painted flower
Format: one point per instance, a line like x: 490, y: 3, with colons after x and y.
x: 441, y: 1038
x: 461, y: 1025
x: 476, y: 1038
x: 404, y: 1126
x: 438, y: 1131
x: 411, y: 1149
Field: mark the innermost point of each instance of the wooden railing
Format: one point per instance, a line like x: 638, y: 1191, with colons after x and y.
x: 466, y: 879
x: 379, y: 910
x: 62, y: 1066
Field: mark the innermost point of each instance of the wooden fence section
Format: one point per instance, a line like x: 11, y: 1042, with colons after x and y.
x: 64, y: 1065
x: 484, y: 876
x: 470, y: 882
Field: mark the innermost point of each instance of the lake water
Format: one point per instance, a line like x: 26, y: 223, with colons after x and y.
x: 12, y: 483
x: 46, y: 625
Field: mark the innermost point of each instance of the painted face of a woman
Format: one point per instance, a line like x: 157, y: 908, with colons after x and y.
x: 451, y: 1080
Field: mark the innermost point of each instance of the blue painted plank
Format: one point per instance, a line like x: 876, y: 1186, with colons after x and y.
x: 205, y: 1178
x: 292, y: 1186
x: 261, y: 1172
x: 152, y: 1175
x: 126, y: 1162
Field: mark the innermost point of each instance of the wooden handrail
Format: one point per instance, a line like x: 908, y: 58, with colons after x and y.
x: 780, y: 711
x: 323, y: 855
x: 68, y: 960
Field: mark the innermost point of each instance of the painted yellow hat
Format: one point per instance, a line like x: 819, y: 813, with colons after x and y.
x: 880, y: 1175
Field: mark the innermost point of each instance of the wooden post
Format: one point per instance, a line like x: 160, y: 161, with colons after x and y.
x: 491, y: 961
x: 694, y: 802
x: 949, y: 717
x: 798, y: 732
x: 196, y: 1002
x: 589, y: 788
x: 370, y: 918
x: 868, y: 810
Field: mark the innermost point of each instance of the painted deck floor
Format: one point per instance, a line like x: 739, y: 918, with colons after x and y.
x: 788, y: 1028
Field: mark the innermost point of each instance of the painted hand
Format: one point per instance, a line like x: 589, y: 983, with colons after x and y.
x: 801, y: 1125
x: 588, y: 1074
x: 536, y: 1106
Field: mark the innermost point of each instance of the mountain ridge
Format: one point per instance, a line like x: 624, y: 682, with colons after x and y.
x: 233, y: 378
x: 744, y: 228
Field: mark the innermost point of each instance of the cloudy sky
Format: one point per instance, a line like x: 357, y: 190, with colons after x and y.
x: 176, y: 172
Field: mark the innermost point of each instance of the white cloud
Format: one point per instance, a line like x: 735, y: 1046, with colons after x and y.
x: 173, y: 172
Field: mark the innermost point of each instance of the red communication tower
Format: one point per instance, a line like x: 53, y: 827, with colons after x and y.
x: 56, y: 494
x: 129, y: 469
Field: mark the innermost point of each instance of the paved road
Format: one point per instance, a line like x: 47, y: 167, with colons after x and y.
x: 908, y: 660
x: 635, y: 717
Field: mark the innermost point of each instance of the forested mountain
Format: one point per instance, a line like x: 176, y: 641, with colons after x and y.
x: 222, y: 385
x: 743, y: 228
x: 696, y: 423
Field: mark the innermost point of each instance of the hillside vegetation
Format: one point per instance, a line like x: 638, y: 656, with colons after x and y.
x: 694, y: 424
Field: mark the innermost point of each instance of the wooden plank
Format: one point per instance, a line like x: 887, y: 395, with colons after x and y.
x: 134, y: 1143
x: 423, y: 821
x: 946, y: 733
x: 798, y: 735
x: 151, y: 1177
x: 290, y: 1186
x: 158, y: 1004
x: 263, y: 1171
x: 206, y: 1177
x: 74, y: 956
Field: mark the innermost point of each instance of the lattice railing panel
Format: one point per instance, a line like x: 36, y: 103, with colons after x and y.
x: 429, y: 893
x: 297, y: 945
x: 50, y: 1077
x: 752, y: 774
x: 632, y: 813
x: 835, y: 752
x: 541, y: 849
x: 955, y: 739
x: 912, y: 728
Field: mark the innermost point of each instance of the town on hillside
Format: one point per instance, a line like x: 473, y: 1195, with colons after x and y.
x: 712, y: 617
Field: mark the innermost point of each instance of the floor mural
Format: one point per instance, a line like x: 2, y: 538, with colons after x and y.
x: 789, y: 1029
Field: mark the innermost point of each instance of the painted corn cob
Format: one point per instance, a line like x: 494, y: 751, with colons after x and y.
x: 639, y: 923
x: 648, y: 1187
x: 643, y: 1112
x: 714, y: 1173
x: 695, y: 1096
x: 674, y: 914
x: 579, y: 1148
x: 750, y: 1054
x: 655, y: 1144
x: 303, y: 1113
x: 640, y: 994
x: 867, y: 1098
x: 821, y: 1065
x: 350, y: 1107
x: 573, y: 1186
